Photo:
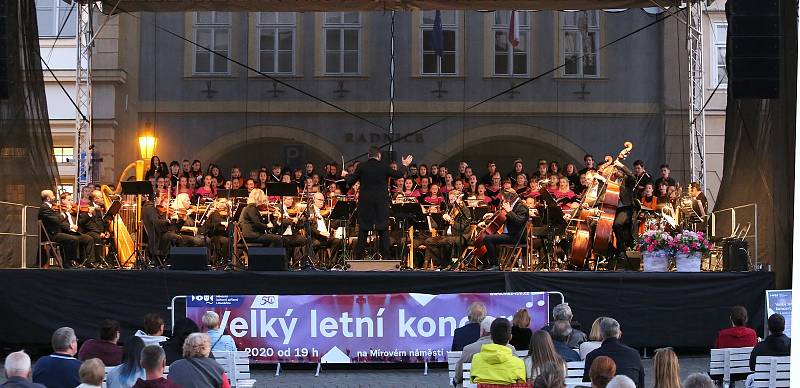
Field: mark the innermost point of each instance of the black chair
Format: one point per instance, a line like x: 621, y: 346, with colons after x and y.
x: 50, y: 249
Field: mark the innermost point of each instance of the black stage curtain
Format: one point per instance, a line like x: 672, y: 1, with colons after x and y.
x: 759, y: 155
x: 684, y: 310
x: 27, y: 164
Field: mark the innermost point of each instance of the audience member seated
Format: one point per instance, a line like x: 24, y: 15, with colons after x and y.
x: 496, y: 362
x: 18, y: 371
x: 196, y: 369
x: 91, y: 373
x: 551, y: 376
x: 621, y: 381
x: 602, y: 370
x: 562, y: 312
x: 153, y: 333
x: 173, y: 348
x: 626, y: 358
x: 520, y: 332
x: 105, y: 347
x: 60, y: 369
x: 470, y: 332
x: 698, y: 380
x: 776, y: 343
x: 541, y: 352
x: 126, y: 374
x: 738, y: 335
x: 594, y: 340
x: 219, y: 342
x: 667, y: 370
x: 154, y: 360
x: 475, y: 347
x: 560, y: 334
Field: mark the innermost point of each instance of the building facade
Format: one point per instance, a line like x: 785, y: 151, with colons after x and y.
x: 205, y: 107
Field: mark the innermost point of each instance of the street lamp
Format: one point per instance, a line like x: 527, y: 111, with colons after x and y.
x: 147, y: 141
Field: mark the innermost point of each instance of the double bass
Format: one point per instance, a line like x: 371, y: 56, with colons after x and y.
x: 608, y: 205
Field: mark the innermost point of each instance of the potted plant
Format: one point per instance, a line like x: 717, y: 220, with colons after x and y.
x: 655, y: 247
x: 689, y: 248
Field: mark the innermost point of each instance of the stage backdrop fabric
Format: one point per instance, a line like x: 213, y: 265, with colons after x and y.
x: 654, y: 309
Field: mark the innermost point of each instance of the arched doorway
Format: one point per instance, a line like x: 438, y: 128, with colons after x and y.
x: 264, y: 145
x: 503, y: 143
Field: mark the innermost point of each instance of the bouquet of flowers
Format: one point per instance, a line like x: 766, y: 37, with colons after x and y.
x: 654, y: 240
x: 688, y: 242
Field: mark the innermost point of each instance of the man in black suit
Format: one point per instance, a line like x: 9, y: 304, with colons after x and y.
x: 623, y: 219
x: 373, y: 203
x: 516, y: 219
x: 470, y: 332
x: 92, y: 224
x: 63, y: 228
x: 626, y: 358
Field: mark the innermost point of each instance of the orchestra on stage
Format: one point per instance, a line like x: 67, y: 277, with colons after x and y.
x: 429, y: 217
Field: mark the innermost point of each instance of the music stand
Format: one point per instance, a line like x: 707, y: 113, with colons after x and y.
x: 277, y: 189
x: 343, y: 211
x: 138, y: 188
x: 406, y: 214
x: 553, y: 221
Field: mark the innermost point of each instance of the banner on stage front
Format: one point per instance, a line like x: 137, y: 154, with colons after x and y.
x: 404, y: 327
x: 779, y: 302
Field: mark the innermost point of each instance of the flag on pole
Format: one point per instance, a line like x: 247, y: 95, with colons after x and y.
x: 437, y: 37
x: 513, y: 29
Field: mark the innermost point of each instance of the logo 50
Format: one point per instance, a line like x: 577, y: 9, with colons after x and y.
x: 265, y: 302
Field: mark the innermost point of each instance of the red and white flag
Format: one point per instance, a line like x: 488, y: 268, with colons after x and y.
x: 513, y: 29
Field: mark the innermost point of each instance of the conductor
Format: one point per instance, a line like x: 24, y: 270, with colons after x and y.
x: 373, y: 203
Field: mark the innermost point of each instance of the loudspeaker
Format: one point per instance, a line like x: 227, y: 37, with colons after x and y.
x: 267, y: 259
x: 188, y: 258
x: 753, y: 48
x: 735, y: 256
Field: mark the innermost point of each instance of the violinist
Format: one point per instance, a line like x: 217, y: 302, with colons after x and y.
x: 180, y: 216
x: 254, y: 229
x: 318, y: 228
x: 216, y: 230
x: 642, y: 178
x: 699, y: 204
x: 93, y: 224
x: 456, y: 232
x: 60, y: 229
x: 516, y: 213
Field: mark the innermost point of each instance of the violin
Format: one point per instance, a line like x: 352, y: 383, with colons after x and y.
x: 74, y: 209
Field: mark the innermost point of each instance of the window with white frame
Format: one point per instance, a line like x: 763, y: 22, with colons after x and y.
x: 65, y: 188
x: 52, y: 14
x: 212, y: 30
x: 63, y: 154
x: 432, y: 63
x: 580, y: 40
x: 510, y: 60
x: 720, y: 71
x: 342, y: 41
x: 276, y: 42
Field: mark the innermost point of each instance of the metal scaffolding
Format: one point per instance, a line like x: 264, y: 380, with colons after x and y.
x: 83, y: 95
x: 697, y: 122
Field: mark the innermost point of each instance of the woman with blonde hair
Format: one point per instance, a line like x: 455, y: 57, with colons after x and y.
x: 196, y: 369
x: 667, y: 370
x: 595, y: 339
x: 540, y: 352
x: 520, y: 332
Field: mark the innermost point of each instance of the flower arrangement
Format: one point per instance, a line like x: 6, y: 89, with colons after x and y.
x: 655, y: 240
x: 688, y: 242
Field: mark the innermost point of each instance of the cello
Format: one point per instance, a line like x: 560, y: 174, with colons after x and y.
x: 495, y: 226
x: 609, y: 203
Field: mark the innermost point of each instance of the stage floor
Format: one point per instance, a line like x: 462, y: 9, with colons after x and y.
x: 654, y: 309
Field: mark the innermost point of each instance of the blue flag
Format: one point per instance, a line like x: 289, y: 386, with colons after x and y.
x: 437, y: 38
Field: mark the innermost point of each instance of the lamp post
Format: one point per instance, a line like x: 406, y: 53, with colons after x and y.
x: 147, y: 147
